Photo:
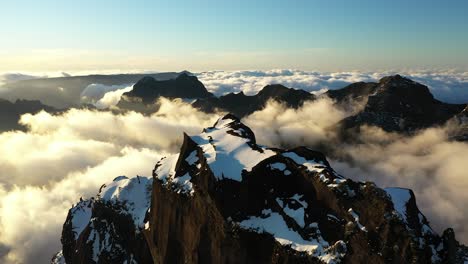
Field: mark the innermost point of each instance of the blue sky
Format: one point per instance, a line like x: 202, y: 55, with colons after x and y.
x: 206, y: 35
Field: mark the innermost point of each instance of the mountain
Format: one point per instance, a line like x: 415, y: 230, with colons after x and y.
x: 148, y: 89
x: 242, y: 105
x: 10, y: 112
x: 226, y: 199
x: 398, y: 104
x: 64, y: 92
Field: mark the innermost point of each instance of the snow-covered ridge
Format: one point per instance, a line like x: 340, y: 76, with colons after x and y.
x: 229, y: 150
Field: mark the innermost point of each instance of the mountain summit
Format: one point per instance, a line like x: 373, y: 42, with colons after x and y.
x: 225, y: 199
x: 397, y: 103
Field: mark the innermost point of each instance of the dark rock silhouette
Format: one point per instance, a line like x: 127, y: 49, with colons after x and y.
x: 399, y: 104
x: 10, y: 112
x: 242, y: 105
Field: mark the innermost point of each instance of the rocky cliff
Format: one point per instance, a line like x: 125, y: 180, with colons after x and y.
x: 226, y: 199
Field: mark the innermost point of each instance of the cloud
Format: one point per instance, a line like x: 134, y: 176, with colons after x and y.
x: 63, y: 157
x: 446, y: 85
x: 94, y: 94
x: 112, y: 98
x: 280, y: 126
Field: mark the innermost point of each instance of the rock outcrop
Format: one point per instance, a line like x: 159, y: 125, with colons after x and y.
x: 226, y: 199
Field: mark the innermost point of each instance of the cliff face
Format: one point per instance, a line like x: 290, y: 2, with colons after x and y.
x: 225, y: 199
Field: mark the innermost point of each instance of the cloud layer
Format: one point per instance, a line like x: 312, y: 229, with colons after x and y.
x: 61, y: 158
x: 448, y: 86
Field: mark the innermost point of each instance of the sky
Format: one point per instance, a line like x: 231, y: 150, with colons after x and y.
x: 333, y: 35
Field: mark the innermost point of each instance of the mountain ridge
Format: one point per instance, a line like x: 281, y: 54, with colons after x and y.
x: 225, y: 199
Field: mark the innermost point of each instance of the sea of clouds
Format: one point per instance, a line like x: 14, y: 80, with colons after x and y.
x: 446, y: 85
x: 63, y: 157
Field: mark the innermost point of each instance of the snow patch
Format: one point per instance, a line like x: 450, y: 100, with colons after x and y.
x: 134, y: 194
x: 274, y: 224
x: 226, y: 154
x: 400, y: 198
x: 80, y: 216
x: 356, y: 219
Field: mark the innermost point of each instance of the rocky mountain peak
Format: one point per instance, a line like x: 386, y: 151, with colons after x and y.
x: 397, y: 87
x: 225, y: 199
x: 148, y: 89
x: 400, y: 104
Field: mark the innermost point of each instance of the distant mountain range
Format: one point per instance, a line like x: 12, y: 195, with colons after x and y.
x: 10, y: 112
x: 64, y: 92
x: 395, y: 103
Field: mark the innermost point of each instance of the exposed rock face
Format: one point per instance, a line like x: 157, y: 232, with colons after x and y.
x: 225, y: 199
x: 402, y: 105
x: 242, y: 105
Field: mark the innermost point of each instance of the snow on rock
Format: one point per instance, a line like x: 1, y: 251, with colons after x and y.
x: 228, y: 149
x: 81, y: 214
x: 294, y: 208
x: 165, y: 168
x: 311, y: 165
x: 356, y: 219
x: 133, y: 193
x: 274, y: 224
x: 278, y: 166
x: 192, y: 158
x: 165, y: 172
x: 184, y: 185
x: 400, y: 197
x: 58, y: 258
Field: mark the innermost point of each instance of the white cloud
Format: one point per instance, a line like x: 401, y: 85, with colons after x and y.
x: 280, y: 126
x: 446, y: 85
x: 112, y: 98
x: 63, y: 157
x: 103, y: 95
